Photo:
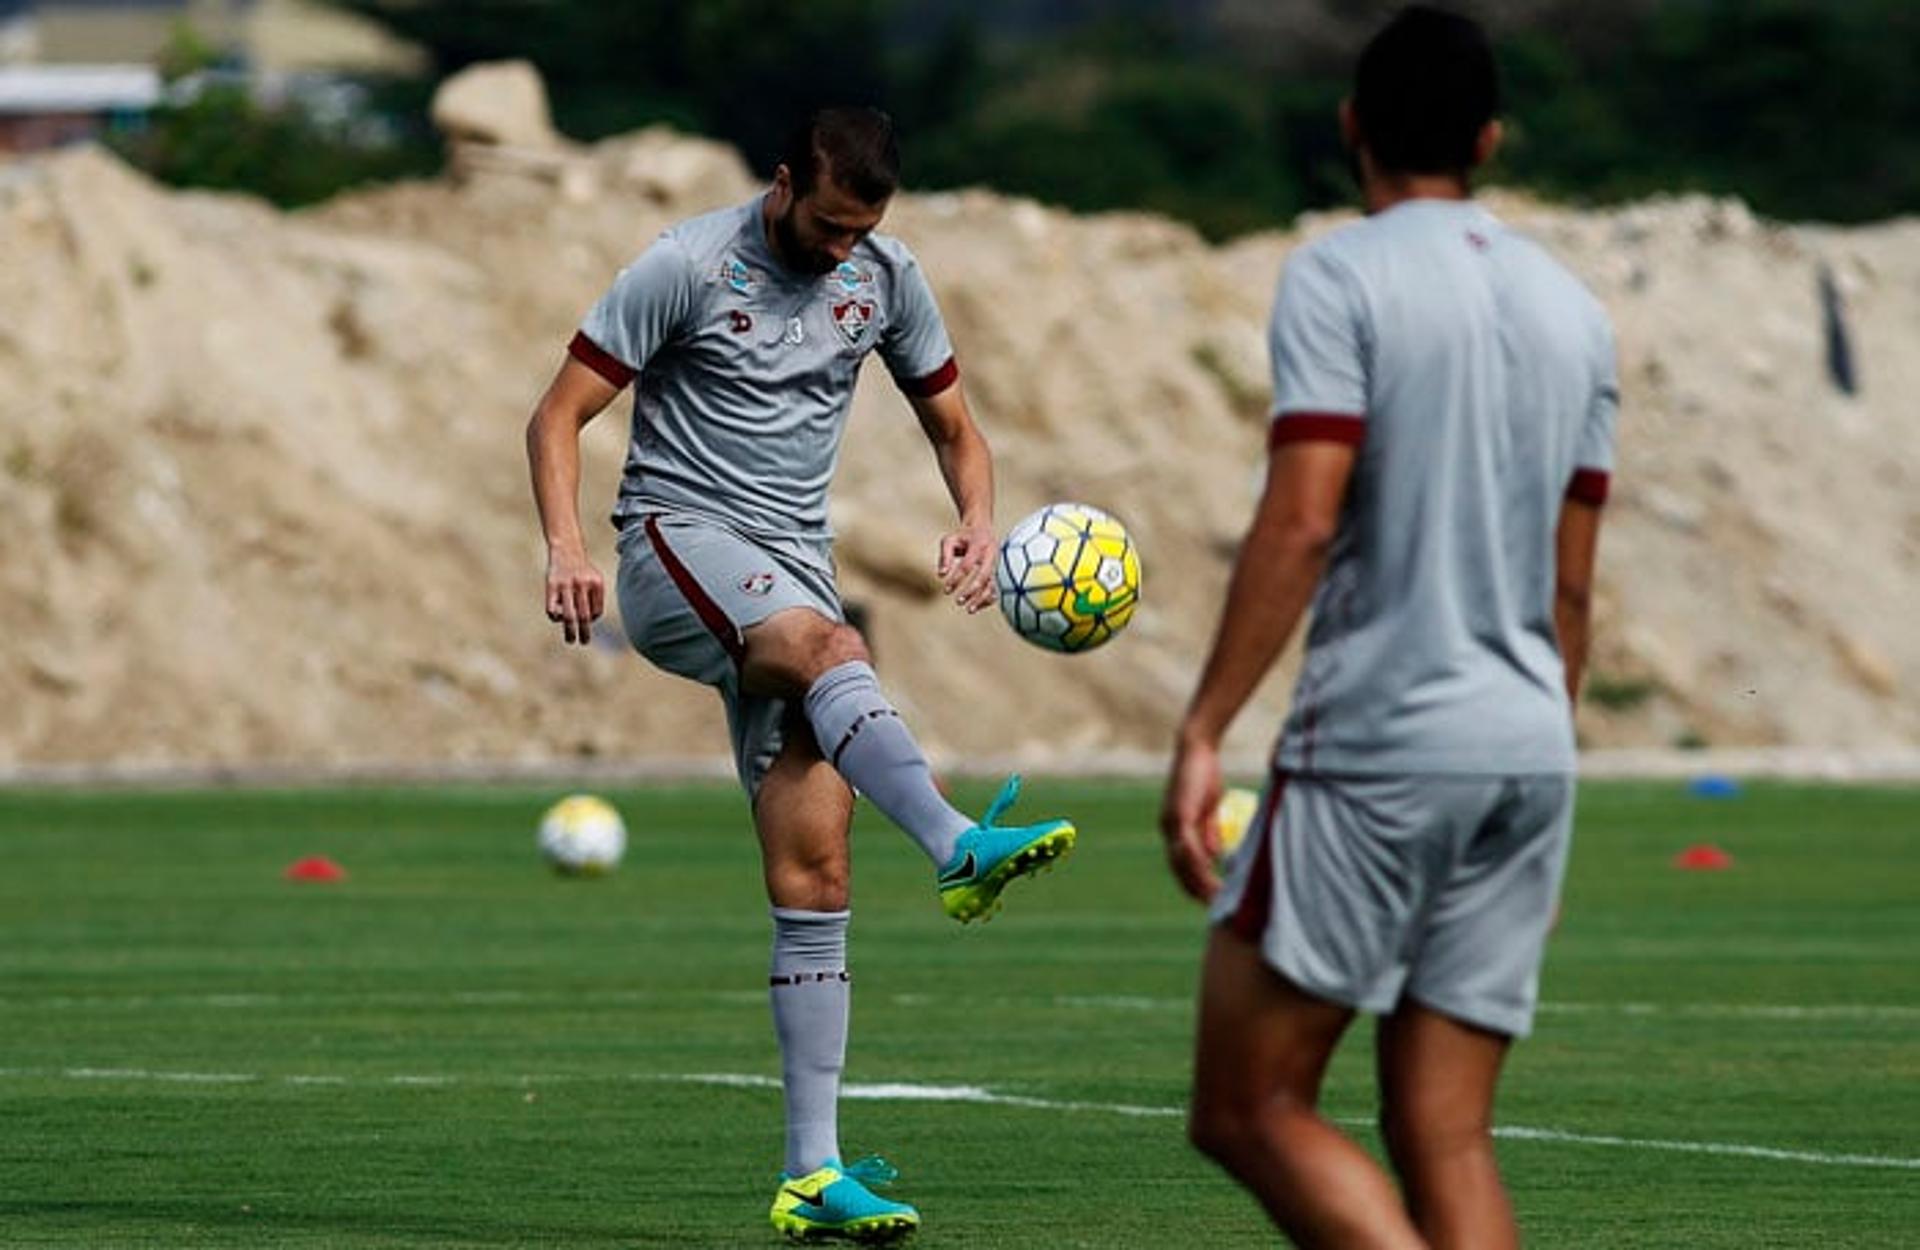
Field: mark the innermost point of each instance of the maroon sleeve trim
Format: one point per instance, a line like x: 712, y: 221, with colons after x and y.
x: 1303, y: 427
x: 933, y: 383
x: 1590, y: 486
x: 598, y: 359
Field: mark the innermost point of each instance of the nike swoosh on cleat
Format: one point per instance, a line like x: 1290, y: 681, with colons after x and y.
x: 963, y: 873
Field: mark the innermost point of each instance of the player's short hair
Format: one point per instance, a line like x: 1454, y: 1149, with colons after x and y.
x: 1424, y: 88
x: 856, y: 146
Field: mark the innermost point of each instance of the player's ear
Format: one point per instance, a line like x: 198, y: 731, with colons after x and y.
x: 782, y: 187
x: 1488, y: 142
x: 1349, y: 125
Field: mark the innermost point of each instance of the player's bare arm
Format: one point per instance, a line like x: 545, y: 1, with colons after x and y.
x: 576, y: 593
x: 966, y: 463
x: 1576, y: 545
x: 1279, y: 565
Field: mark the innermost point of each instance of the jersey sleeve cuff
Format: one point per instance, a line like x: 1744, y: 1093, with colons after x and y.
x: 598, y: 359
x: 1308, y: 427
x: 929, y: 385
x: 1590, y: 486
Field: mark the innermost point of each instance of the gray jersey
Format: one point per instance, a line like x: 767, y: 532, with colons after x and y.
x: 1476, y: 376
x: 746, y: 369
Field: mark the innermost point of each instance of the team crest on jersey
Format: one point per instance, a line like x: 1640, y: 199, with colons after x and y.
x: 853, y: 317
x: 851, y: 277
x: 734, y: 272
x: 757, y: 585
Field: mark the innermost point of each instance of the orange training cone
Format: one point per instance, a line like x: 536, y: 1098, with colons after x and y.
x: 1703, y: 858
x: 315, y: 868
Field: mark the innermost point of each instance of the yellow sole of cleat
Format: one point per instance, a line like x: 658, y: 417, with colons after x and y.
x: 877, y: 1231
x: 981, y: 900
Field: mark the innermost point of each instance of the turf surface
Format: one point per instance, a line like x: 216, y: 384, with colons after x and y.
x: 454, y: 1048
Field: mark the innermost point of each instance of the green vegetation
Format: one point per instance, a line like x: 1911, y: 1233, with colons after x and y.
x: 220, y: 138
x: 1806, y: 109
x: 1619, y: 694
x: 454, y: 1048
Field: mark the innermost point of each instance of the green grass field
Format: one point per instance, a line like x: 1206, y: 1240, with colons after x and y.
x: 455, y: 1048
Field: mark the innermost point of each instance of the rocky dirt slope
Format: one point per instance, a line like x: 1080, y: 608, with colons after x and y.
x: 262, y: 495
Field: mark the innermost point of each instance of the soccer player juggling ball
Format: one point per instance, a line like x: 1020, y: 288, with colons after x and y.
x: 742, y: 333
x: 1443, y: 414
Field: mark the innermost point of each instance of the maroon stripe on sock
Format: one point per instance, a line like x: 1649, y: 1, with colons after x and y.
x: 853, y: 731
x: 703, y: 606
x: 808, y: 978
x: 1249, y: 920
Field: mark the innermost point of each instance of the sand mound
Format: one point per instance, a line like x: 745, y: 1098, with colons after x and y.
x: 265, y: 498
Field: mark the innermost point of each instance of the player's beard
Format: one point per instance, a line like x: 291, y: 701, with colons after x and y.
x: 795, y: 253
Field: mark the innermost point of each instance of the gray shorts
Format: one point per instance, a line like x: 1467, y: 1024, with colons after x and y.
x: 690, y: 588
x: 1362, y: 890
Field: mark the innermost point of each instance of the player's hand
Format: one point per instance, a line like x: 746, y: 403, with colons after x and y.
x: 1189, y: 824
x: 966, y: 566
x: 576, y: 594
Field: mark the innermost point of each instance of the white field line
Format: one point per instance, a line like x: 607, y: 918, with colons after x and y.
x: 913, y: 1092
x: 1811, y: 1012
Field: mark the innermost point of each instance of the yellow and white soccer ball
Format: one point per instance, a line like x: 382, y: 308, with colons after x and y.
x: 582, y: 835
x: 1068, y: 577
x: 1235, y: 812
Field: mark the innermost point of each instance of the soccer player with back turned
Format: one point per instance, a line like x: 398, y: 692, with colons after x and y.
x: 743, y: 332
x: 1444, y: 405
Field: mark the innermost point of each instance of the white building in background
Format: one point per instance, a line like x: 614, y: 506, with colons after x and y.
x: 71, y: 70
x: 46, y: 106
x: 264, y: 36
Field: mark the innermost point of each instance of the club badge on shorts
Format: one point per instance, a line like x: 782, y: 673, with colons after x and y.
x: 853, y: 317
x: 757, y: 584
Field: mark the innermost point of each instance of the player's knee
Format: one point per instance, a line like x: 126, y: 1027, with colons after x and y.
x: 810, y: 885
x: 1413, y: 1130
x: 842, y: 644
x: 1221, y: 1131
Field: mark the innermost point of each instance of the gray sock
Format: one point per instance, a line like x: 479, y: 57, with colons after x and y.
x: 863, y: 737
x: 810, y: 993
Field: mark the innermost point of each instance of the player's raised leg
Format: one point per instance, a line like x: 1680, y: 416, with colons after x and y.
x: 802, y: 811
x: 1437, y: 1079
x: 1262, y: 1051
x: 800, y: 653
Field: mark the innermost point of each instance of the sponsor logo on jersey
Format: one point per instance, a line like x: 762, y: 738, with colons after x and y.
x: 853, y: 317
x: 739, y: 322
x: 852, y: 277
x: 757, y: 584
x: 734, y: 272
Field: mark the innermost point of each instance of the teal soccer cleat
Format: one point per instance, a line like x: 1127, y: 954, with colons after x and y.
x: 990, y: 855
x: 833, y: 1203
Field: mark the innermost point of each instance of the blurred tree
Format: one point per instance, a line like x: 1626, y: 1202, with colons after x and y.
x: 1222, y: 111
x: 216, y: 136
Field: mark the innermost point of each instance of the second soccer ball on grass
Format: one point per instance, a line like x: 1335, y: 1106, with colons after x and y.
x: 1068, y: 577
x: 582, y: 835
